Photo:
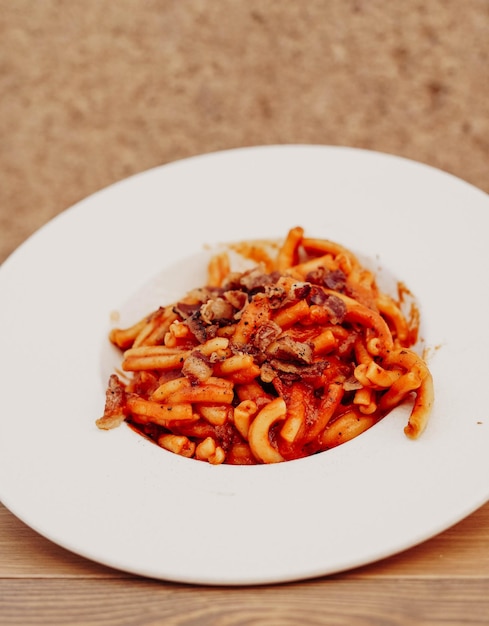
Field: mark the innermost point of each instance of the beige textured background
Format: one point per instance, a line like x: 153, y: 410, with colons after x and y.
x: 92, y: 91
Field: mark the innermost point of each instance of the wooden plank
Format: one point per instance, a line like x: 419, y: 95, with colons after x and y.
x: 332, y: 601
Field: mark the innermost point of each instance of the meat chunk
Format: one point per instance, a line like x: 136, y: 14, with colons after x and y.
x: 334, y: 305
x: 265, y: 335
x: 115, y: 400
x: 217, y: 310
x: 197, y: 367
x: 287, y: 349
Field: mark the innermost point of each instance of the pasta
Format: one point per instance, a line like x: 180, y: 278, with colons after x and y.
x: 290, y: 358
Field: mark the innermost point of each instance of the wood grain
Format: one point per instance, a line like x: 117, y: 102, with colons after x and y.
x: 334, y: 601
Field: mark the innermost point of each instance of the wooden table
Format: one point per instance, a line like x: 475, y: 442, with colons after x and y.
x: 444, y: 581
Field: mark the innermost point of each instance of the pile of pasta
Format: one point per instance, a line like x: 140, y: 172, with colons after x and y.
x: 294, y: 356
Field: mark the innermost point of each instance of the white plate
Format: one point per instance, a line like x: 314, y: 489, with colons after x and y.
x: 117, y: 499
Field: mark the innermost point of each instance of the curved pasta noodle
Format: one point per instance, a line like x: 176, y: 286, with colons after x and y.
x: 297, y: 355
x: 259, y: 431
